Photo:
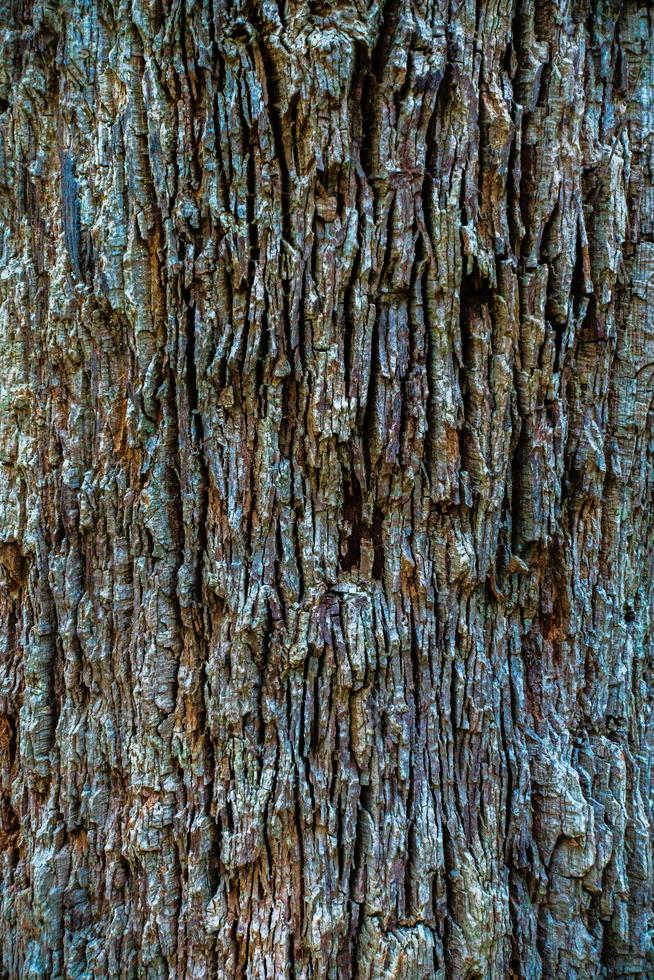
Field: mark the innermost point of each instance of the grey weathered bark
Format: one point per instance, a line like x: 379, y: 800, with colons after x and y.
x: 327, y: 368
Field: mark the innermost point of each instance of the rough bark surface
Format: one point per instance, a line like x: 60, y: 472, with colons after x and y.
x: 326, y: 485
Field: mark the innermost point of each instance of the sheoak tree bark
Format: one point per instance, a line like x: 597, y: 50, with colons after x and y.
x: 326, y: 472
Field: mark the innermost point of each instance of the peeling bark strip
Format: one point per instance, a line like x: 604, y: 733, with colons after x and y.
x: 326, y: 472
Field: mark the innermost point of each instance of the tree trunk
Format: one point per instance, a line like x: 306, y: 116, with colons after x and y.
x: 327, y: 466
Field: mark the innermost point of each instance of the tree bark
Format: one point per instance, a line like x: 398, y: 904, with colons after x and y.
x: 326, y: 472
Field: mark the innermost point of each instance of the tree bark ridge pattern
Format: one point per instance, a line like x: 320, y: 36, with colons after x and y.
x: 326, y: 445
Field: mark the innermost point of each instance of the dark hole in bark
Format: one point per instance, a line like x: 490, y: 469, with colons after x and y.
x: 354, y: 528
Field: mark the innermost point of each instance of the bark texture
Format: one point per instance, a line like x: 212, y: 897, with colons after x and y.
x: 326, y: 479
